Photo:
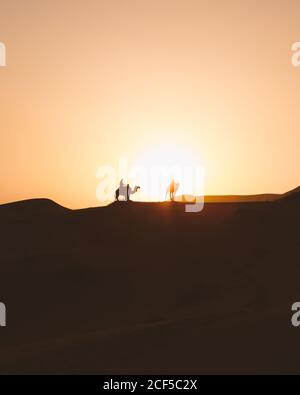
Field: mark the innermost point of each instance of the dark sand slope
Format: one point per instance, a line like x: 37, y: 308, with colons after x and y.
x: 266, y: 197
x: 291, y: 196
x: 148, y: 288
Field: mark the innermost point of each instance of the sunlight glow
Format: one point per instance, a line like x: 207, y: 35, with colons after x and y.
x: 154, y: 169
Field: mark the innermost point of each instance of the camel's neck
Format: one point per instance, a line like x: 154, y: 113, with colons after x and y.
x: 131, y: 191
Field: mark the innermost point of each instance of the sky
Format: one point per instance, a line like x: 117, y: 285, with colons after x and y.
x: 88, y: 82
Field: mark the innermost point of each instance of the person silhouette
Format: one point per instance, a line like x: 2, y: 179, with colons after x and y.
x: 124, y: 187
x: 172, y: 189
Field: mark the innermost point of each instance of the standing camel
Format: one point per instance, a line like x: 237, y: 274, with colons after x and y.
x: 126, y: 191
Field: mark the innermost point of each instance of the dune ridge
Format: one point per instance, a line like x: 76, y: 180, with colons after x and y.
x: 146, y: 288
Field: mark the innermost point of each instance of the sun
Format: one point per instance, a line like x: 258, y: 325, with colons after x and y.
x: 160, y: 163
x: 166, y: 154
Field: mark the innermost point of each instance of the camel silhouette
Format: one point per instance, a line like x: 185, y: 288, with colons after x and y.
x: 126, y: 191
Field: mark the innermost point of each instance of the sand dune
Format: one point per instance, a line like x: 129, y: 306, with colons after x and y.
x: 32, y: 208
x: 293, y: 195
x: 148, y: 288
x: 265, y: 197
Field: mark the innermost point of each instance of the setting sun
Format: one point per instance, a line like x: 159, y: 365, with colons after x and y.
x: 154, y: 168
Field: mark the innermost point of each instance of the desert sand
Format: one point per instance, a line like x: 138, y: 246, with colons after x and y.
x: 136, y: 288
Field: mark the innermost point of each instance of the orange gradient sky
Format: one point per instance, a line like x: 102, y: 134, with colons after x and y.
x: 90, y: 81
